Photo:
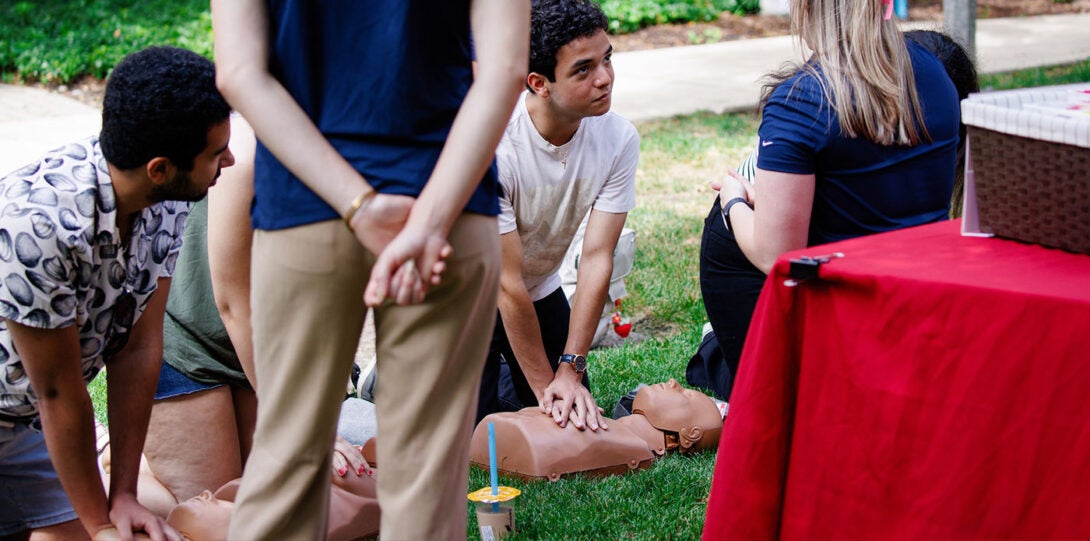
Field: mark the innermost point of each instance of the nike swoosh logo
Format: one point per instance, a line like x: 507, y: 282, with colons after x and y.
x: 766, y: 143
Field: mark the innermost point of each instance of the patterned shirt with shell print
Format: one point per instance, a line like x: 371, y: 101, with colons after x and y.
x: 63, y: 261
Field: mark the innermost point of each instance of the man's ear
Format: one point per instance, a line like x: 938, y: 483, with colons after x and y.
x: 538, y: 84
x: 160, y: 170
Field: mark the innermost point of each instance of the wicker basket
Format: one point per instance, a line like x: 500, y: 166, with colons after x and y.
x: 1031, y: 166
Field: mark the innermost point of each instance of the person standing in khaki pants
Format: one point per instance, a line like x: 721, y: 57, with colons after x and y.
x: 369, y: 115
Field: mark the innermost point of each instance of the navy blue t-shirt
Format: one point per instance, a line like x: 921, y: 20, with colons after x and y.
x: 382, y: 80
x: 863, y: 187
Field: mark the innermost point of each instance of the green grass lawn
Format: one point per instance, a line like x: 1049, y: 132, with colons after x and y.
x: 1079, y: 72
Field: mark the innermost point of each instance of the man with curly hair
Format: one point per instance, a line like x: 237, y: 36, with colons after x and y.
x: 89, y: 236
x: 565, y: 160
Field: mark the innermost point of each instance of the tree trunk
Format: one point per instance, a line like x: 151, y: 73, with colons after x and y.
x: 774, y: 7
x: 959, y: 17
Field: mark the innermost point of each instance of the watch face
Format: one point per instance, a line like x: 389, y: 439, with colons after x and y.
x: 578, y: 362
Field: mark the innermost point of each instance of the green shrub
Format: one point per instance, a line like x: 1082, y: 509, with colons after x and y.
x: 746, y: 7
x: 631, y: 15
x: 56, y: 41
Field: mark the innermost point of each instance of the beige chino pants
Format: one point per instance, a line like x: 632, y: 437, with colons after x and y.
x: 308, y: 315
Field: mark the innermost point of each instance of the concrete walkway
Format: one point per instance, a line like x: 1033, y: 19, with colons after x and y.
x: 724, y: 76
x: 650, y: 84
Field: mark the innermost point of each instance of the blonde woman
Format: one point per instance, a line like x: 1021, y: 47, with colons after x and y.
x: 860, y: 139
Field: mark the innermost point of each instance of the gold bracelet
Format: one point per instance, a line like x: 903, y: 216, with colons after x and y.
x: 355, y: 206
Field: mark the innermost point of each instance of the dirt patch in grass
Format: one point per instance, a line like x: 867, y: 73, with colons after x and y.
x: 647, y: 327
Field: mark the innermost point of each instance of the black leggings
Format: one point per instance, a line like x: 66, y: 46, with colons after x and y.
x: 729, y: 286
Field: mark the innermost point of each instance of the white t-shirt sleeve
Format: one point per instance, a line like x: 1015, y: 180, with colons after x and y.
x: 618, y: 194
x: 506, y: 218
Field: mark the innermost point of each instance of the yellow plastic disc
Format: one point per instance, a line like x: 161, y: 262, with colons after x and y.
x: 485, y: 494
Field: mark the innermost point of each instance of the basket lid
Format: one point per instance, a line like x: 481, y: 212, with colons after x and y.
x: 1059, y: 114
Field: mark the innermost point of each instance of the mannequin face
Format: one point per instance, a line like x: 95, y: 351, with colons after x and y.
x: 202, y: 517
x: 674, y: 409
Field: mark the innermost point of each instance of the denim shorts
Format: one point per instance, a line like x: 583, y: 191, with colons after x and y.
x: 173, y: 383
x: 31, y: 495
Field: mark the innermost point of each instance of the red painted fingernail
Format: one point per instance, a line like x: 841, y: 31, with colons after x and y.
x: 362, y: 469
x: 342, y: 471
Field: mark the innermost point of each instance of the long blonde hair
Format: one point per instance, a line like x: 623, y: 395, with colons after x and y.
x: 866, y: 73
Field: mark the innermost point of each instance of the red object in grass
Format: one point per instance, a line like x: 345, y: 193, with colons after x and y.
x: 621, y: 325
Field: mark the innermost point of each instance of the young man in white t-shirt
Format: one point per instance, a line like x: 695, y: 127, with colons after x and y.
x: 564, y: 158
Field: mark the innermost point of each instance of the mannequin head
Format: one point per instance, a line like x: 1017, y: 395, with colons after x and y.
x: 203, y: 517
x: 690, y: 419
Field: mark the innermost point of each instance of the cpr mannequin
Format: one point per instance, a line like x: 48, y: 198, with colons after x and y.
x: 665, y: 417
x: 530, y: 444
x: 353, y: 511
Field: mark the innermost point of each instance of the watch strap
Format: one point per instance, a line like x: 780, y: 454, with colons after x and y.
x: 728, y: 206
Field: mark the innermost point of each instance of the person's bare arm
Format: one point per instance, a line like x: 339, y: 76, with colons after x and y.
x: 501, y: 41
x: 591, y: 288
x: 131, y: 377
x: 780, y: 219
x: 242, y: 75
x: 520, y: 321
x: 51, y: 358
x: 230, y: 234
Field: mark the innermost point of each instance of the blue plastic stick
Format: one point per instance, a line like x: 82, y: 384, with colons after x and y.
x: 492, y: 465
x: 900, y: 8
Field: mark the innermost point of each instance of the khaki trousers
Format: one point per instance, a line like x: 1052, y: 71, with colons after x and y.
x: 308, y: 315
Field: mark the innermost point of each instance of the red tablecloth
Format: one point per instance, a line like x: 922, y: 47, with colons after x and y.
x: 928, y: 386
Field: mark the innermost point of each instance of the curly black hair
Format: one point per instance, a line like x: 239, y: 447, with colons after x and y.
x: 160, y: 101
x: 554, y: 24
